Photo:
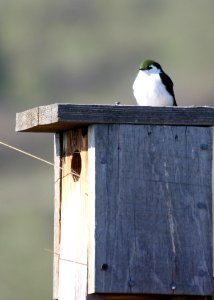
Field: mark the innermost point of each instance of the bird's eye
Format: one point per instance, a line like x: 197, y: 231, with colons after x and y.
x: 149, y: 68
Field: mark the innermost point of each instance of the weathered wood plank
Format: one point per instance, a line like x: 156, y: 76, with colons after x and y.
x: 152, y: 210
x: 213, y: 200
x: 27, y: 119
x: 91, y: 209
x: 47, y: 114
x: 73, y: 211
x: 147, y: 297
x: 57, y: 207
x: 58, y: 117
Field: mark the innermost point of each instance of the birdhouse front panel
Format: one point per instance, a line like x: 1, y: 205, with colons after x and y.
x: 150, y: 209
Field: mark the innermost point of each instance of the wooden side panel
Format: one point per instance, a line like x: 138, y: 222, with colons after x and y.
x: 152, y: 208
x: 57, y: 205
x: 73, y: 239
x: 213, y: 199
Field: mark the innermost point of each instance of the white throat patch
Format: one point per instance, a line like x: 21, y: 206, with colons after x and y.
x: 149, y: 90
x: 153, y: 70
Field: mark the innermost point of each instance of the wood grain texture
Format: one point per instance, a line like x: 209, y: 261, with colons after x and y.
x: 73, y: 238
x: 57, y: 209
x: 147, y: 297
x: 152, y: 210
x: 58, y: 117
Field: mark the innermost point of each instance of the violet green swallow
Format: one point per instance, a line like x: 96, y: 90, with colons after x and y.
x: 152, y: 86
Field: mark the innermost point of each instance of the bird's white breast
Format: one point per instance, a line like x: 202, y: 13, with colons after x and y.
x: 149, y: 90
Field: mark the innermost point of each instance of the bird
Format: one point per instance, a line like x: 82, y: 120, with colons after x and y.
x: 152, y: 86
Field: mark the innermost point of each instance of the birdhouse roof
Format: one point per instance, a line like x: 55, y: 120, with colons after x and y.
x: 60, y: 117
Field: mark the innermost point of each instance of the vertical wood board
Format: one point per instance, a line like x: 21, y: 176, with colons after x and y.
x: 152, y: 210
x: 73, y: 239
x: 57, y: 205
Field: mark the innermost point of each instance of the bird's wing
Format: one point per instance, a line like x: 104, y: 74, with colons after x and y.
x: 169, y: 85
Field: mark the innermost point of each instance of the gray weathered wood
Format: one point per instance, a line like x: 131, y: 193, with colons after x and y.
x: 150, y: 209
x: 58, y: 117
x: 213, y: 200
x: 146, y: 297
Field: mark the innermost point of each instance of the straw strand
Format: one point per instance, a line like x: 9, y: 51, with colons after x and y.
x: 36, y: 157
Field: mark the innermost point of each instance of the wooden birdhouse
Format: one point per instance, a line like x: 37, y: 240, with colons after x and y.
x: 133, y: 200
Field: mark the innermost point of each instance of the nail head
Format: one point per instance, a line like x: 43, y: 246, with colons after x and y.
x: 104, y: 267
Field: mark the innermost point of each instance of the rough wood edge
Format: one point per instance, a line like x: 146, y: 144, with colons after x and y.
x: 57, y: 204
x: 61, y: 117
x: 91, y: 208
x: 213, y: 201
x: 147, y: 297
x: 27, y: 119
x: 48, y: 114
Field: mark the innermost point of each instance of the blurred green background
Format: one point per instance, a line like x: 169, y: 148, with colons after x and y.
x: 81, y: 52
